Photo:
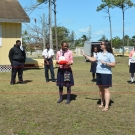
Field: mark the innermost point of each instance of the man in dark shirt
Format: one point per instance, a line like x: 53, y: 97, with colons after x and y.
x: 17, y: 58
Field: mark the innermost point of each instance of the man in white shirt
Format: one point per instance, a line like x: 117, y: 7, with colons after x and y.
x: 48, y: 62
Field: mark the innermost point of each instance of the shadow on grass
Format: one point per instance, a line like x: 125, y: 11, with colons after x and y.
x: 130, y: 81
x: 99, y: 101
x: 52, y: 80
x: 72, y: 97
x: 31, y: 68
x: 27, y: 81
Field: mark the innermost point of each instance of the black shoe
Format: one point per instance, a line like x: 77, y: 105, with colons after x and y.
x: 53, y: 80
x: 21, y: 82
x: 47, y: 81
x: 12, y: 83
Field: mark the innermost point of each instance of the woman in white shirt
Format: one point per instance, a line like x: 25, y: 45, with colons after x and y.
x: 94, y: 64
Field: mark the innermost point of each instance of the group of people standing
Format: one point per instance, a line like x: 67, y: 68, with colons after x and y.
x: 64, y: 74
x: 102, y: 61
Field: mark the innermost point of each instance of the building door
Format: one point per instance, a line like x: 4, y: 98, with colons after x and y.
x: 0, y: 34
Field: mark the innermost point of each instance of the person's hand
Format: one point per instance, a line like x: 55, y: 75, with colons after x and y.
x: 83, y: 53
x: 47, y: 63
x: 103, y: 62
x: 68, y: 64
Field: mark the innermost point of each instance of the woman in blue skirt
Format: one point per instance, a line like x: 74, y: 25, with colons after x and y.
x: 64, y: 75
x: 94, y: 64
x: 105, y: 61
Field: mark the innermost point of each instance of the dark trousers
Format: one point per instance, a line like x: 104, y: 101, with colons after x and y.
x: 17, y: 67
x: 47, y: 67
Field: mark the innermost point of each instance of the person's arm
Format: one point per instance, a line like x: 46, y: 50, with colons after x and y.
x: 11, y: 52
x: 52, y: 54
x: 92, y: 59
x: 43, y: 54
x: 109, y: 64
x: 70, y: 59
x: 45, y: 60
x: 24, y: 54
x: 112, y: 62
x: 129, y: 62
x: 130, y: 55
x: 57, y: 57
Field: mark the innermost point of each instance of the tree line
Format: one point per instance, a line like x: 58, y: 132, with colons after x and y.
x: 34, y: 33
x: 106, y: 5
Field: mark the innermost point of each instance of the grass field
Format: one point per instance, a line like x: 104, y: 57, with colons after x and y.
x: 31, y: 109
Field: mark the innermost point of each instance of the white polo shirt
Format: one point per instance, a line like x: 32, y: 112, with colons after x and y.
x: 48, y: 54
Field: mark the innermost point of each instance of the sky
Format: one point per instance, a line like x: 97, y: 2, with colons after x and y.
x: 80, y: 15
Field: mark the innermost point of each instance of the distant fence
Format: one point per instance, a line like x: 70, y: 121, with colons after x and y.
x: 78, y: 52
x: 117, y: 52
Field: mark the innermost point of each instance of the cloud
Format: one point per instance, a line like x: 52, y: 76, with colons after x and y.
x: 98, y: 33
x: 85, y: 30
x: 68, y: 21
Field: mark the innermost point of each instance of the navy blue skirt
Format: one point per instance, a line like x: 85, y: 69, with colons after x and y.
x: 132, y: 68
x: 60, y: 77
x: 104, y: 80
x: 93, y: 67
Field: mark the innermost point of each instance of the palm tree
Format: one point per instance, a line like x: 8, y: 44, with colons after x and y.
x: 106, y: 5
x: 124, y: 5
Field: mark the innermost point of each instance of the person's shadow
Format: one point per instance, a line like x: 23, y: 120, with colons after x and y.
x: 72, y: 97
x: 99, y: 101
x: 27, y: 81
x: 110, y: 103
x: 130, y: 81
x: 52, y: 80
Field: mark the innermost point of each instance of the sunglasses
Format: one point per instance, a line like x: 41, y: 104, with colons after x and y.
x: 101, y: 44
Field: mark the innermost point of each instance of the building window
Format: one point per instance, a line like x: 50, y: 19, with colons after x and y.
x: 0, y: 34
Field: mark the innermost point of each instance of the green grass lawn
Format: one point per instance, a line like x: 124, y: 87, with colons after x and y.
x: 31, y: 109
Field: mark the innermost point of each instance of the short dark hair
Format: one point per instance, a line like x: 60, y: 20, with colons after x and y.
x: 63, y: 43
x: 17, y: 41
x: 47, y: 44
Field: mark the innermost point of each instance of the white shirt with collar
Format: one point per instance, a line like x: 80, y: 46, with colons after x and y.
x: 95, y: 54
x: 21, y: 48
x: 48, y: 54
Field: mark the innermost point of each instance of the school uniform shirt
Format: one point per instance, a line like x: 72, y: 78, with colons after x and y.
x: 107, y: 57
x: 132, y: 57
x: 47, y: 53
x: 21, y: 48
x: 95, y: 54
x: 68, y: 57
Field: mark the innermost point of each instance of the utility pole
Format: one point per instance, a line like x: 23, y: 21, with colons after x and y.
x: 50, y: 24
x: 90, y: 33
x: 44, y: 31
x: 123, y: 36
x: 128, y: 42
x: 55, y: 21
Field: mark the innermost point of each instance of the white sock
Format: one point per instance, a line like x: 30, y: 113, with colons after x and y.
x: 132, y: 77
